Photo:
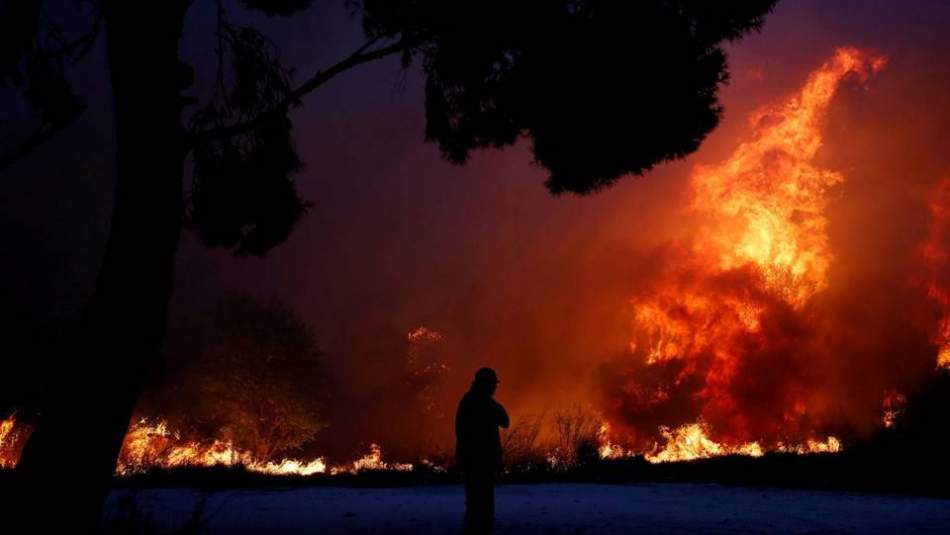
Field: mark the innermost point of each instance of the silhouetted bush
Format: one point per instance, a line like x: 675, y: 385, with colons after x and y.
x: 520, y: 447
x: 577, y: 430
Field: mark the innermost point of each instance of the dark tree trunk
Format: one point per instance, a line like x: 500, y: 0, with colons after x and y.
x: 66, y: 469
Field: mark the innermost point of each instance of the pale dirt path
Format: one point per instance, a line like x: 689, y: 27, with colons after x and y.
x: 551, y: 508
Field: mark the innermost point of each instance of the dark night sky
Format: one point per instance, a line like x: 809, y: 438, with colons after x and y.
x: 397, y: 237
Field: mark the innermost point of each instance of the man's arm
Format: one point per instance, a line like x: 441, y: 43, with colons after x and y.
x: 502, y: 416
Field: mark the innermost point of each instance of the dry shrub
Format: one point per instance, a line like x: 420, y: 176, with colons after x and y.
x: 576, y: 431
x: 521, y: 449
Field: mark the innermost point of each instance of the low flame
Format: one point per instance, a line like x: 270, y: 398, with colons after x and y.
x: 150, y: 445
x: 829, y: 445
x: 609, y: 449
x: 692, y: 441
x: 371, y: 461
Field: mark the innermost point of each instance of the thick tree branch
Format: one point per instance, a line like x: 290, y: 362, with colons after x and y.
x: 219, y: 35
x: 358, y: 57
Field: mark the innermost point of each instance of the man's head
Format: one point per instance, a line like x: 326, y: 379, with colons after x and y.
x: 486, y: 380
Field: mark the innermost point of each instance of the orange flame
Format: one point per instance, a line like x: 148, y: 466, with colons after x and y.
x: 13, y: 437
x: 760, y: 253
x: 152, y: 445
x: 371, y: 461
x: 692, y: 442
x: 766, y: 202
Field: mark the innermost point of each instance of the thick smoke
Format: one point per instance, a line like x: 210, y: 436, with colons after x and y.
x: 545, y: 290
x: 787, y: 331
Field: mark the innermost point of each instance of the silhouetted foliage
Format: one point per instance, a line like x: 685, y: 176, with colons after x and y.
x: 252, y: 375
x: 576, y: 435
x: 278, y: 7
x: 922, y: 427
x: 601, y: 88
x: 521, y: 450
x: 30, y: 345
x: 243, y: 197
x: 35, y: 56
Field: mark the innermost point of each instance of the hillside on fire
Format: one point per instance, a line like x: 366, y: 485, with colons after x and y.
x: 626, y: 260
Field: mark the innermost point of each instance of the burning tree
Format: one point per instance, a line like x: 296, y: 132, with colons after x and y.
x: 726, y: 331
x: 426, y: 369
x: 253, y: 378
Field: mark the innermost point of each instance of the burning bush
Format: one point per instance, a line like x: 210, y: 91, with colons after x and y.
x: 252, y: 378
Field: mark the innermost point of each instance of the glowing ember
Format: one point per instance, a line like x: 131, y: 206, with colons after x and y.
x: 421, y: 334
x: 13, y: 437
x: 893, y: 407
x: 736, y: 293
x: 830, y: 445
x: 6, y: 430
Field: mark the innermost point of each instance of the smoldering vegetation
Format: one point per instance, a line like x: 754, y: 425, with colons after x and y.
x: 906, y: 458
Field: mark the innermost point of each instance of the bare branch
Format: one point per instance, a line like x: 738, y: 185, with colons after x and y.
x: 360, y: 56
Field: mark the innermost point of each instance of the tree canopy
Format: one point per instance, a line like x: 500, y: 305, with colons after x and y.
x: 600, y: 89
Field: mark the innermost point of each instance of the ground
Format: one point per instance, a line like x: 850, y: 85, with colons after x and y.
x: 547, y: 508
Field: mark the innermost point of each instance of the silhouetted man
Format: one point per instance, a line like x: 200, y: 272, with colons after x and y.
x: 478, y: 449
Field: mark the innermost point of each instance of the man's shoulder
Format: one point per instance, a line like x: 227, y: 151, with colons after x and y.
x: 467, y: 400
x: 473, y: 400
